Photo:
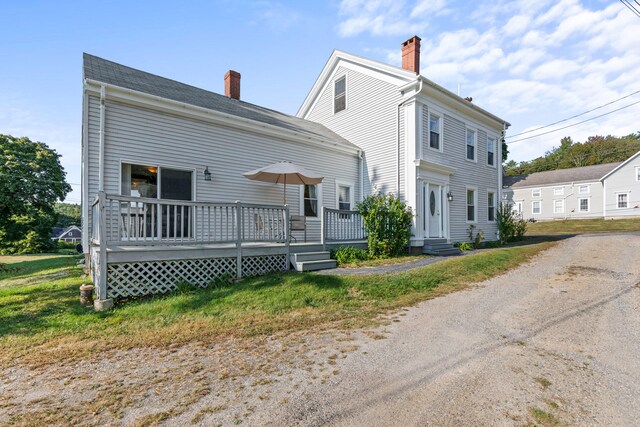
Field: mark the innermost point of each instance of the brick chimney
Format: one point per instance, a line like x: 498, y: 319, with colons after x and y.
x: 232, y: 84
x: 411, y: 54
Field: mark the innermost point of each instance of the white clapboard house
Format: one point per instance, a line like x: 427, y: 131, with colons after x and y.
x: 165, y: 198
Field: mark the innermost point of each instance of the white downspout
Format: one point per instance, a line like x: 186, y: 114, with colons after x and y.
x: 361, y: 167
x: 103, y: 96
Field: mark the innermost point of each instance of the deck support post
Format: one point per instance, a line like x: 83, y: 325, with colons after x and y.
x: 102, y: 303
x: 238, y: 239
x: 323, y: 220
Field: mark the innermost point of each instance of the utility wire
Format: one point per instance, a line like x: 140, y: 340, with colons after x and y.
x: 574, y: 124
x: 573, y: 117
x: 630, y: 6
x: 581, y: 156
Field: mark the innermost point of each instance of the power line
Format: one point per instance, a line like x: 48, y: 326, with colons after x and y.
x: 631, y: 7
x: 581, y: 156
x: 573, y: 117
x: 574, y: 124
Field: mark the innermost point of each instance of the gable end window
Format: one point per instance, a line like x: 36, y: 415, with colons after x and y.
x: 491, y: 150
x: 471, y: 145
x: 434, y: 131
x: 340, y: 94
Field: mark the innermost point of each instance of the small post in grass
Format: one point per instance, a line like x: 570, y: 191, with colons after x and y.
x: 86, y: 295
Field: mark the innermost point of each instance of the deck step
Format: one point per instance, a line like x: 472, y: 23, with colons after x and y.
x: 321, y: 264
x: 312, y: 261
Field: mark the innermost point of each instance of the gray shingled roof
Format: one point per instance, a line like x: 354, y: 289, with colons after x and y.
x: 585, y: 173
x: 102, y: 70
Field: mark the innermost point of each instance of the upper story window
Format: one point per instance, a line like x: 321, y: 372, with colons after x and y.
x: 491, y: 151
x: 536, y: 192
x: 583, y: 189
x: 558, y: 191
x: 435, y: 140
x: 340, y: 94
x: 471, y: 145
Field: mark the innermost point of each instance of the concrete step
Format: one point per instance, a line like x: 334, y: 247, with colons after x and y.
x: 428, y: 241
x: 323, y: 264
x: 437, y: 246
x: 310, y: 256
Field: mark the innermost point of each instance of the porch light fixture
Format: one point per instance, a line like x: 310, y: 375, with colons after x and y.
x: 450, y: 196
x: 207, y: 174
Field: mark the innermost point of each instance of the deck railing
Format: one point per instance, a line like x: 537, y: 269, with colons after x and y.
x: 342, y: 226
x: 145, y: 221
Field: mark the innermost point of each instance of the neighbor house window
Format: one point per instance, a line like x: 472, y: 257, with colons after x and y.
x: 310, y: 200
x: 344, y: 197
x: 558, y: 191
x: 623, y: 200
x: 471, y: 144
x: 340, y: 94
x: 558, y: 206
x: 583, y: 205
x: 536, y: 207
x: 434, y: 131
x: 536, y: 192
x: 637, y: 173
x: 471, y: 205
x: 491, y: 150
x: 583, y: 189
x: 491, y: 206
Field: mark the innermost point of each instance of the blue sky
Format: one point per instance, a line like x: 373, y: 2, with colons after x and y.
x: 530, y: 62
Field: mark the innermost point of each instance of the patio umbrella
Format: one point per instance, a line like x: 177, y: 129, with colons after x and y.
x: 284, y: 173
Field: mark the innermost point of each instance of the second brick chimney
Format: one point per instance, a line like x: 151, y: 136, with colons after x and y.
x: 411, y: 54
x: 232, y: 84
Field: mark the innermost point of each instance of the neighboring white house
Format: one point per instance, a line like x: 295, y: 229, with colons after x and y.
x: 608, y: 190
x: 437, y: 151
x: 164, y: 198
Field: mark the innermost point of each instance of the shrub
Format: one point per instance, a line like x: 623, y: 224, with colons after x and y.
x: 349, y: 255
x: 387, y: 220
x: 464, y: 246
x: 510, y: 225
x: 479, y: 237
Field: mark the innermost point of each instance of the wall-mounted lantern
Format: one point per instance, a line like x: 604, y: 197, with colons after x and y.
x: 207, y: 174
x: 450, y: 196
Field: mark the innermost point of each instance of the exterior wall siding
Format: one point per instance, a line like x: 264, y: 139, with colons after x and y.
x: 149, y: 137
x: 482, y: 177
x: 369, y: 121
x: 624, y: 180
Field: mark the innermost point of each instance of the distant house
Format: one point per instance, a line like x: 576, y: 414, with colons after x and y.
x: 71, y: 234
x: 609, y: 190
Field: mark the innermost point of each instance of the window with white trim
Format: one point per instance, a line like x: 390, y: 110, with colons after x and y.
x: 491, y: 151
x: 558, y: 206
x: 344, y: 197
x: 491, y: 206
x: 637, y: 173
x: 471, y: 145
x: 584, y: 189
x: 583, y: 204
x: 310, y: 201
x: 340, y: 94
x: 622, y: 200
x: 536, y: 192
x: 471, y: 205
x: 558, y: 191
x: 536, y: 207
x: 435, y: 137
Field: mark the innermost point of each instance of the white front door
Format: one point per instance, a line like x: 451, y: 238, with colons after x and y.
x: 432, y: 208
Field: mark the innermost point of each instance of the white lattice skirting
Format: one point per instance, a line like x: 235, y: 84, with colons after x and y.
x: 157, y: 277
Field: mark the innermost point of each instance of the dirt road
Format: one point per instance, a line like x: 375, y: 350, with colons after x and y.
x: 556, y: 341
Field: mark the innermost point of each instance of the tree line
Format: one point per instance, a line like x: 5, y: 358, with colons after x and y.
x: 595, y: 150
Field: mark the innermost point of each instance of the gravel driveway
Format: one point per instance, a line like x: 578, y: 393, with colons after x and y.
x: 555, y: 341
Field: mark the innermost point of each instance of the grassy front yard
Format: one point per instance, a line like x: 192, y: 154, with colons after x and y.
x: 583, y: 226
x: 41, y: 319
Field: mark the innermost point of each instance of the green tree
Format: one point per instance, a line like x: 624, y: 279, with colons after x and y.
x: 31, y: 181
x: 68, y: 214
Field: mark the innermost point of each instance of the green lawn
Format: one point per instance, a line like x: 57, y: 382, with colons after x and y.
x: 583, y: 226
x: 41, y: 319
